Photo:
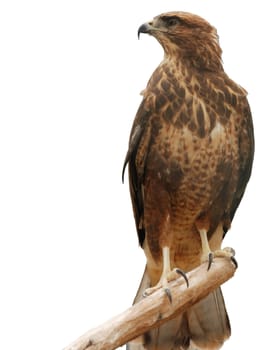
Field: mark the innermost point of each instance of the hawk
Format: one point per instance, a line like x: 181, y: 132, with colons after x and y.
x: 189, y: 160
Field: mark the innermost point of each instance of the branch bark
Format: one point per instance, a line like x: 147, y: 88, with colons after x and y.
x: 156, y: 309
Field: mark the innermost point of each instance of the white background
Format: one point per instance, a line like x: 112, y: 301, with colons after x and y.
x: 70, y: 77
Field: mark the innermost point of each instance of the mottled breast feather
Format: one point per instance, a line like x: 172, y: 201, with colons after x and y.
x: 178, y: 116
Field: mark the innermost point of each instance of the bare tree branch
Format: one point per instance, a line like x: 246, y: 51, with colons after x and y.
x: 156, y: 309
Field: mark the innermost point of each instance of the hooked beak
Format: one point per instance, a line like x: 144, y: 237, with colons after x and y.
x: 145, y: 28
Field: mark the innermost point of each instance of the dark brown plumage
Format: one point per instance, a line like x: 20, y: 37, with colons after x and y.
x: 190, y: 157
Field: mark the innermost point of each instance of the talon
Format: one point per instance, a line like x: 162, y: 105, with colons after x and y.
x: 234, y: 261
x: 182, y: 273
x: 166, y: 276
x: 210, y: 259
x: 168, y: 294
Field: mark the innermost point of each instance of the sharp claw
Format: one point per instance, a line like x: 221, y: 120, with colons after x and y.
x: 210, y: 259
x: 182, y: 273
x: 168, y: 293
x: 234, y: 261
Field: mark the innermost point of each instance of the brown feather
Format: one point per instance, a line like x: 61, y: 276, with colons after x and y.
x: 190, y: 152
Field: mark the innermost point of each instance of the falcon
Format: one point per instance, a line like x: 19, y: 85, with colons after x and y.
x: 189, y: 160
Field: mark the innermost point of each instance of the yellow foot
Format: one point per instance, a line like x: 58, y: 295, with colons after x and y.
x: 163, y: 283
x: 208, y: 255
x: 227, y: 252
x: 167, y: 276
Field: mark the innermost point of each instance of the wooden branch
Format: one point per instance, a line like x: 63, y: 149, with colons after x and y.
x: 156, y: 309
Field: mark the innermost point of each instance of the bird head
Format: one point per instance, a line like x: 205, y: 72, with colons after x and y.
x: 185, y: 36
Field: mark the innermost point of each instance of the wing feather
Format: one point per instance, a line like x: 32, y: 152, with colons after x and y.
x: 136, y: 155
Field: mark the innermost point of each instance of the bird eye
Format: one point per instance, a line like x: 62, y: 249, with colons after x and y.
x: 172, y: 21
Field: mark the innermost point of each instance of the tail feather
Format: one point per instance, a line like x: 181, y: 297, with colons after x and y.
x: 208, y: 321
x: 205, y: 326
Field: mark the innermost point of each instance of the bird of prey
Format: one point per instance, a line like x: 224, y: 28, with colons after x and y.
x: 189, y: 160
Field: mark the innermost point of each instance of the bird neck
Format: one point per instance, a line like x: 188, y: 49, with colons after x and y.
x: 203, y: 58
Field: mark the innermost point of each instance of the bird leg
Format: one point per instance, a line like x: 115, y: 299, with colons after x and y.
x: 166, y: 276
x: 208, y: 255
